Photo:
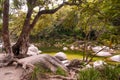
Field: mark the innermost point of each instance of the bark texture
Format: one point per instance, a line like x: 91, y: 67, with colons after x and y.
x: 5, y: 35
x: 44, y: 60
x: 22, y: 44
x: 5, y: 30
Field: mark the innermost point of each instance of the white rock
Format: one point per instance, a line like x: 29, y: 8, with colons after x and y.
x: 76, y: 48
x: 111, y: 51
x: 32, y: 50
x: 97, y: 48
x: 99, y: 63
x: 88, y: 66
x: 30, y: 53
x: 115, y: 58
x: 65, y: 48
x: 88, y: 47
x: 39, y: 51
x: 72, y: 47
x: 105, y: 54
x: 66, y: 62
x: 61, y: 56
x: 81, y: 46
x: 1, y: 46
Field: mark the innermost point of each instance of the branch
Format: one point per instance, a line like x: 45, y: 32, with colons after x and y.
x: 95, y: 55
x: 52, y: 11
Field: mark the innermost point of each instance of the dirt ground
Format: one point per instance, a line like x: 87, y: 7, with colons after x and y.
x: 10, y: 72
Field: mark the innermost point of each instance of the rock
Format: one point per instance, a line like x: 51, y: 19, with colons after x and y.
x: 1, y: 46
x: 105, y: 51
x: 76, y: 48
x: 98, y: 48
x: 111, y: 51
x: 72, y: 47
x: 65, y: 48
x: 115, y: 58
x: 88, y: 66
x: 66, y: 62
x: 105, y: 54
x: 61, y: 56
x: 32, y: 50
x: 30, y: 53
x: 98, y: 64
x: 39, y: 51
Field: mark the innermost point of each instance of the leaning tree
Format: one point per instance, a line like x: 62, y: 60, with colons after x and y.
x: 20, y: 48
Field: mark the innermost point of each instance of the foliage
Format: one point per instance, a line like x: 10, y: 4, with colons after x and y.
x: 16, y: 24
x: 111, y: 11
x: 0, y: 29
x: 60, y: 71
x: 35, y: 73
x: 106, y: 73
x: 88, y: 19
x: 110, y: 73
x: 91, y: 74
x: 38, y: 70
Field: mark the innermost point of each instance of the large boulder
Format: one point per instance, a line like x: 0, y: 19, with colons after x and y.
x: 115, y: 58
x: 61, y: 56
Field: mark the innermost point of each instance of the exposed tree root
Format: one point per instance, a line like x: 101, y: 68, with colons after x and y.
x: 6, y: 60
x: 62, y: 77
x: 29, y: 63
x: 43, y: 60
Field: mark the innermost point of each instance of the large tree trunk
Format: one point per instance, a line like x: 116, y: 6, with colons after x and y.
x: 5, y: 30
x: 21, y: 47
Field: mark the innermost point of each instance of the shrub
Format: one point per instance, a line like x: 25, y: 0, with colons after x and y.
x: 106, y: 73
x: 60, y: 71
x: 89, y: 74
x: 110, y: 73
x: 38, y: 71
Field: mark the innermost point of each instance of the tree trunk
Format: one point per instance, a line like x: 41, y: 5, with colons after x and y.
x: 5, y: 30
x: 21, y: 47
